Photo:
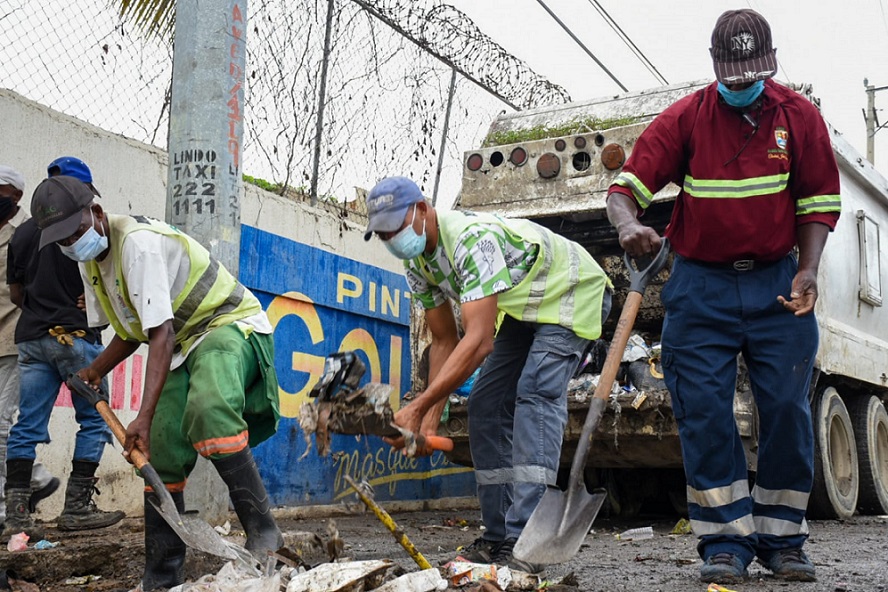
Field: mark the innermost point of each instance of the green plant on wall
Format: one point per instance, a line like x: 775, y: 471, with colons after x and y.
x: 263, y: 184
x: 300, y: 192
x: 541, y: 132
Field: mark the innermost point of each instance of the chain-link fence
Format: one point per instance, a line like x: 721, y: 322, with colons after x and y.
x: 386, y: 95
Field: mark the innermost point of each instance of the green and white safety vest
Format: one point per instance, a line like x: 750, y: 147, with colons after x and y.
x: 211, y: 296
x: 565, y: 285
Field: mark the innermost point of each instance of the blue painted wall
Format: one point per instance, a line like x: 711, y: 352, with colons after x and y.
x: 321, y: 303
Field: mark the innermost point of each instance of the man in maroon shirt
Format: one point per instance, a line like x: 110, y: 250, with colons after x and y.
x: 758, y: 178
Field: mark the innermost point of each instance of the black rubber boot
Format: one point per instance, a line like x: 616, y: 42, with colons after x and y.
x: 164, y: 550
x: 18, y: 497
x: 80, y: 512
x: 250, y: 501
x: 18, y: 517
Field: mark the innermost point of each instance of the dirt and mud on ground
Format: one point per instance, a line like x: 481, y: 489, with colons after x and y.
x: 850, y: 556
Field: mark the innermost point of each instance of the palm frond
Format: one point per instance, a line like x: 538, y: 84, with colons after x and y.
x: 154, y: 17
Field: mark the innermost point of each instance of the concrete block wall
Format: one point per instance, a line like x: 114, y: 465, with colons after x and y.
x: 132, y: 179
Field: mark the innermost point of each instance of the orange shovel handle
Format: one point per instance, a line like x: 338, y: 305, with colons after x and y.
x: 437, y: 442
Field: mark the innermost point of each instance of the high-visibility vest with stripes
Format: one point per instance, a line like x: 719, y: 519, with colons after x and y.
x: 564, y: 286
x: 210, y: 298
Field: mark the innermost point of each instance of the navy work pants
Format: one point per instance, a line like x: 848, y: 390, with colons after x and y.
x: 712, y: 315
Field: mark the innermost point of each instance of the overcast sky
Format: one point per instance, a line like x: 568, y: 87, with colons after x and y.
x: 832, y: 45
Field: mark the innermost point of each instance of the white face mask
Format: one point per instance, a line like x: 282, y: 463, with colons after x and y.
x: 89, y: 246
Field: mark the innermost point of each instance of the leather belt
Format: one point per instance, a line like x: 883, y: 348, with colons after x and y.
x: 739, y: 265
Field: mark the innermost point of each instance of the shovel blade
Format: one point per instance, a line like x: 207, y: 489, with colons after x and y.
x: 558, y: 525
x: 194, y: 532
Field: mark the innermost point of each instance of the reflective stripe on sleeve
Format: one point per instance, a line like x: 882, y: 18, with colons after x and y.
x: 642, y: 194
x: 819, y: 204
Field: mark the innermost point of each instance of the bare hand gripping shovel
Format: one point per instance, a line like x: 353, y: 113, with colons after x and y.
x: 194, y: 532
x: 562, y: 519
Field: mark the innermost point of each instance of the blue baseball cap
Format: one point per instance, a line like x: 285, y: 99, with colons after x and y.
x: 71, y: 166
x: 388, y: 202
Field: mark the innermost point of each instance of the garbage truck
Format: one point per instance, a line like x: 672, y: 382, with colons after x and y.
x: 553, y: 165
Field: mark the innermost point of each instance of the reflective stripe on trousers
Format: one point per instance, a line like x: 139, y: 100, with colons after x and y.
x: 712, y: 315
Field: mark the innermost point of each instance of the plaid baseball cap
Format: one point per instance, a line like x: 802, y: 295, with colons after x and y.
x: 72, y: 167
x: 57, y: 207
x: 742, y: 50
x: 387, y: 204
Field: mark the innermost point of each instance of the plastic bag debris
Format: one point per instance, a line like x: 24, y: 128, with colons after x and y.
x: 44, y: 544
x: 636, y: 349
x: 463, y: 573
x: 18, y: 542
x: 465, y: 388
x: 427, y: 580
x: 636, y: 534
x: 334, y: 577
x: 233, y: 578
x: 717, y: 588
x: 683, y: 526
x: 82, y: 580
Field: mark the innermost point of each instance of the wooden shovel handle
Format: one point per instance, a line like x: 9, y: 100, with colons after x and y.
x: 618, y: 345
x: 99, y: 399
x: 135, y: 456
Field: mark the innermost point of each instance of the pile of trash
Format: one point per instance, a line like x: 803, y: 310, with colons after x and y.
x: 348, y: 576
x: 382, y: 575
x: 640, y: 374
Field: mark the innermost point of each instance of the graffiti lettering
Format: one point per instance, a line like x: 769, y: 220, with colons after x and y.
x: 310, y: 364
x: 236, y: 93
x: 117, y: 384
x: 386, y: 466
x: 349, y: 286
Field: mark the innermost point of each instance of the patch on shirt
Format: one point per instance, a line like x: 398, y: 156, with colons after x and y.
x: 781, y: 136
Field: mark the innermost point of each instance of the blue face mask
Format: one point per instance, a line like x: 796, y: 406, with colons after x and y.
x: 88, y: 247
x: 407, y: 244
x: 741, y: 98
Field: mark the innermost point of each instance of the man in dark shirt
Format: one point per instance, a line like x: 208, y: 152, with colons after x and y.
x: 54, y: 340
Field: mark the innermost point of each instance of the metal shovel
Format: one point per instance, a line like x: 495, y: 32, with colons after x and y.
x: 562, y: 519
x: 194, y: 532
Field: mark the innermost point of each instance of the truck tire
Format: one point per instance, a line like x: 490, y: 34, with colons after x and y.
x: 870, y: 421
x: 836, y: 475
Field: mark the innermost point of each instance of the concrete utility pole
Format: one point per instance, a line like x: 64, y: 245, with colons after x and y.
x: 872, y: 120
x: 204, y: 183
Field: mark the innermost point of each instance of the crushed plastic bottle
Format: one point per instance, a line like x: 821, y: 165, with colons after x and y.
x: 636, y: 534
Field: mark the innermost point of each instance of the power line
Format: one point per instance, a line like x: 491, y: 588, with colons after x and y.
x: 580, y: 43
x: 629, y: 43
x: 884, y: 19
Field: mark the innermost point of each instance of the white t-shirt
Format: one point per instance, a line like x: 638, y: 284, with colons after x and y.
x: 156, y: 268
